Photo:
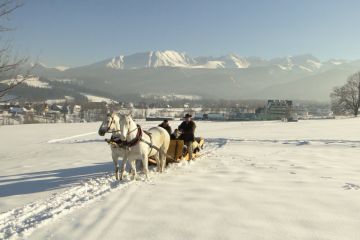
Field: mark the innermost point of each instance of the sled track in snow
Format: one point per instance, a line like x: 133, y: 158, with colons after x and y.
x: 59, y: 140
x: 20, y: 222
x: 300, y: 142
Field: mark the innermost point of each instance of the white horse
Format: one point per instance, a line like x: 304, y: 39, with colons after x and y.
x: 142, y: 145
x: 136, y: 144
x: 111, y: 125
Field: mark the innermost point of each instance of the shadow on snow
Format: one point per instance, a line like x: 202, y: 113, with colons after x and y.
x: 34, y: 182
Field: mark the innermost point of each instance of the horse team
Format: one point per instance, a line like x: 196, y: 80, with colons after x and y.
x: 135, y: 143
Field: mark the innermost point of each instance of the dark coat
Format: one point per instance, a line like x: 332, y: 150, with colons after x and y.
x: 167, y: 128
x: 173, y: 137
x: 188, y: 131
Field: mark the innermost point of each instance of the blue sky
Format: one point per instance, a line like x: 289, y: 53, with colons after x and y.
x: 79, y: 32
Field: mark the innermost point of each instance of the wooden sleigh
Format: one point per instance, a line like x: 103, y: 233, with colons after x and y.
x: 176, y: 151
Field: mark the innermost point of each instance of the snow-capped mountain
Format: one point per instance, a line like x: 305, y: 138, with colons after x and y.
x: 307, y: 63
x: 152, y: 59
x: 155, y: 59
x: 234, y: 61
x: 173, y: 59
x: 61, y: 68
x: 227, y: 61
x: 40, y: 65
x: 229, y: 76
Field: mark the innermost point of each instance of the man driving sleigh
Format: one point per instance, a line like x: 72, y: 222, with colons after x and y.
x: 187, y: 129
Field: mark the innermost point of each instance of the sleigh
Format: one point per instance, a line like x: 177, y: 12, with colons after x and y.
x: 177, y: 151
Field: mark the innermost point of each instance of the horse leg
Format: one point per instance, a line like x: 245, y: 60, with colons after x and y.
x: 162, y: 157
x: 115, y: 158
x: 123, y: 164
x: 157, y: 159
x: 133, y: 169
x: 190, y: 150
x: 145, y: 162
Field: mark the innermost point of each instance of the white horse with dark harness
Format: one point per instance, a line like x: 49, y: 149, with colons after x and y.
x: 135, y: 143
x: 111, y: 125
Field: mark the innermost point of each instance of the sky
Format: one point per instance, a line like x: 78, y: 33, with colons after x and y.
x: 80, y: 32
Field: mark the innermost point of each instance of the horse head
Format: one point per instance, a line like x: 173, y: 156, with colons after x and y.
x: 110, y: 124
x: 125, y: 123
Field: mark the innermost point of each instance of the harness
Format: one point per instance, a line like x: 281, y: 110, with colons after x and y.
x: 150, y: 144
x: 127, y: 144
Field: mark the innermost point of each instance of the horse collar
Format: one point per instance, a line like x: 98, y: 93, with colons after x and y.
x: 136, y: 140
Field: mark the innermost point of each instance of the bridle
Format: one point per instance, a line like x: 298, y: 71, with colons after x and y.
x: 109, y: 125
x: 115, y: 131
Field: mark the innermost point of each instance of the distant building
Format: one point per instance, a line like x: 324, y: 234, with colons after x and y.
x: 242, y: 113
x: 277, y: 110
x: 301, y: 112
x: 214, y: 116
x: 56, y: 107
x: 76, y: 109
x: 242, y: 117
x: 94, y: 111
x: 18, y: 110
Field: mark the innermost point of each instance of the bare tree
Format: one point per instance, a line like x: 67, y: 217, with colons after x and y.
x: 347, y: 97
x: 9, y: 65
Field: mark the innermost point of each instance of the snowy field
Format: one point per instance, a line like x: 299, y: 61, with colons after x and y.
x: 256, y: 180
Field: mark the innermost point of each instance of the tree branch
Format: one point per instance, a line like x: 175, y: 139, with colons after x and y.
x: 4, y: 91
x: 8, y: 100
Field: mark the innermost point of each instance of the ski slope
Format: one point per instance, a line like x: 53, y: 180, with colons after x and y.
x: 256, y: 180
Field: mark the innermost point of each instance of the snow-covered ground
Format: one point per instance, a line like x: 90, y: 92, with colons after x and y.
x: 256, y: 180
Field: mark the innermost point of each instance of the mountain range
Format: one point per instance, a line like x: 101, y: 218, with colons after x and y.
x: 302, y: 77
